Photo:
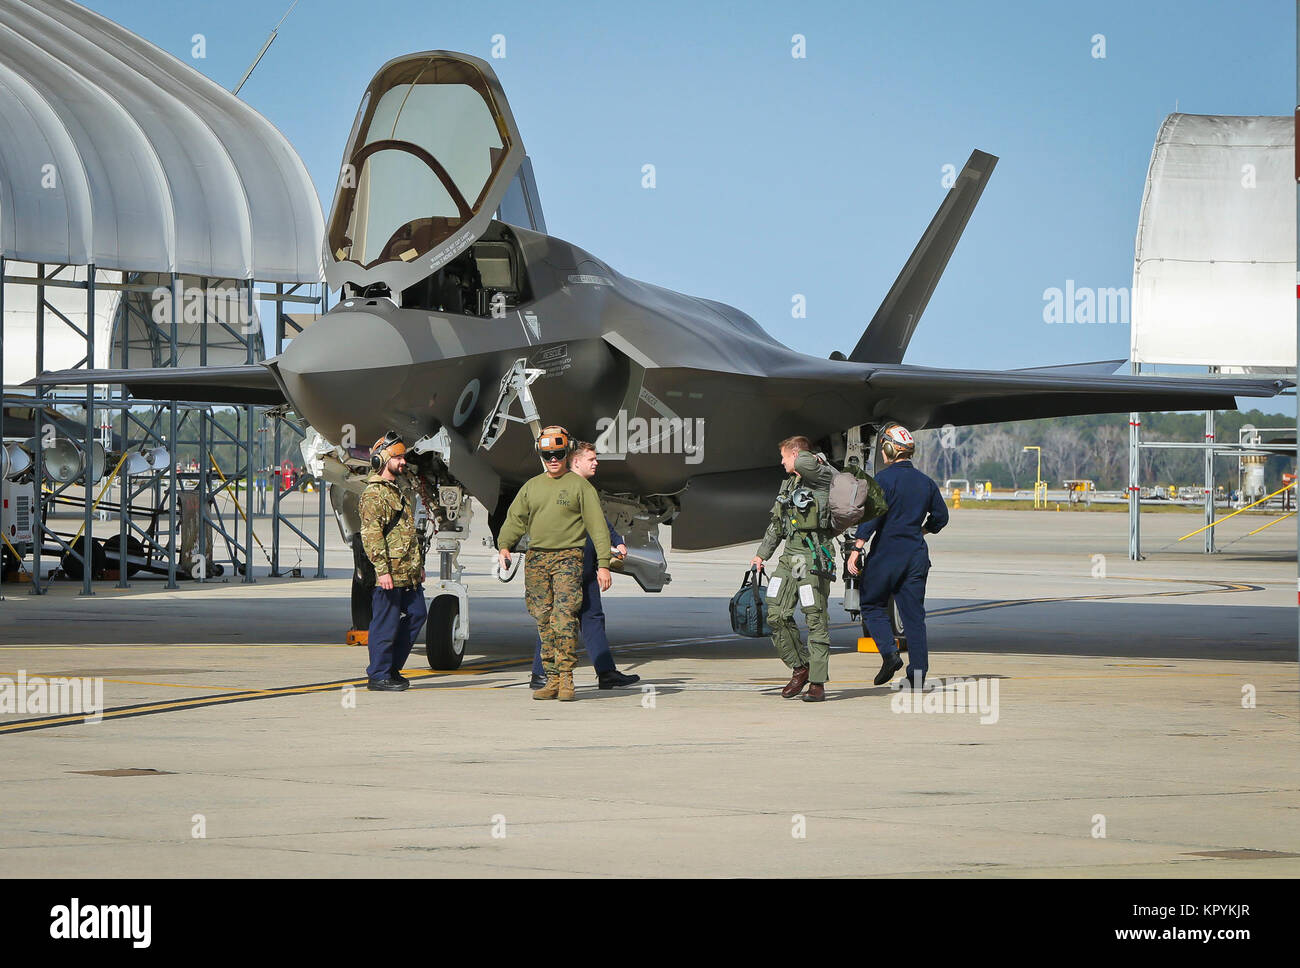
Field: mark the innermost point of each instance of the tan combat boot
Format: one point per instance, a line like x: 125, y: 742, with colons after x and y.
x: 550, y: 690
x: 565, y: 689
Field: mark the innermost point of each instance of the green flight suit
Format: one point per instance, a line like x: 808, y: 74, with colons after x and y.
x: 803, y: 575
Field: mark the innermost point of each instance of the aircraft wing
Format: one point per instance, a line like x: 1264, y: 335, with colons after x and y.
x: 930, y: 397
x: 255, y: 383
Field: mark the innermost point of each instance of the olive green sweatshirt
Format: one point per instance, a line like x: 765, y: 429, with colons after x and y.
x: 557, y: 513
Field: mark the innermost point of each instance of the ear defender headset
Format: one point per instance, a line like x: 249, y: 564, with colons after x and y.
x: 554, y: 440
x: 386, y: 448
x: 897, y: 443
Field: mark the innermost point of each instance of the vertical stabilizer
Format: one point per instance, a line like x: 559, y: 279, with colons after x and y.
x: 886, y: 338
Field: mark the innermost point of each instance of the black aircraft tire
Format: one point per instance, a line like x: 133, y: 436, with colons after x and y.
x: 134, y: 549
x: 71, y: 565
x: 363, y: 585
x: 439, y: 645
x: 362, y: 604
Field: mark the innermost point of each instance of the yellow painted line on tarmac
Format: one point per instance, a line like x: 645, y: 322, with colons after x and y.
x: 122, y: 682
x: 199, y: 702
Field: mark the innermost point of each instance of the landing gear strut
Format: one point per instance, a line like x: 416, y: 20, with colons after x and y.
x: 447, y: 628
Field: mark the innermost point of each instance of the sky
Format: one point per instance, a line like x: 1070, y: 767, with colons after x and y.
x: 779, y: 176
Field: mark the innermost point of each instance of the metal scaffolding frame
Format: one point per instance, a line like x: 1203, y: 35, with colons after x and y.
x: 141, y: 424
x: 1211, y: 448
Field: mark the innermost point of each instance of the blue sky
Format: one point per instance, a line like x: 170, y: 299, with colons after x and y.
x: 815, y: 176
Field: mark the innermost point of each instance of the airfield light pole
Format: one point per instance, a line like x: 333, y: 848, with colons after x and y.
x: 1038, y: 477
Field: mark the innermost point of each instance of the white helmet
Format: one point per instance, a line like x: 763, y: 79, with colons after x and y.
x: 897, y: 443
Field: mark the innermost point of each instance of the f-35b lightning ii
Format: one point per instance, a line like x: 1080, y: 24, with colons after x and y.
x: 460, y: 316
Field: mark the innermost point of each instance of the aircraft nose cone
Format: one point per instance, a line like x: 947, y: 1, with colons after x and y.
x: 347, y: 368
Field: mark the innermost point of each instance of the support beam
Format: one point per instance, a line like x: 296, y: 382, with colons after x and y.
x: 38, y: 452
x: 320, y: 484
x: 123, y: 481
x: 276, y: 484
x: 248, y: 454
x: 1209, y: 482
x: 88, y: 445
x: 1134, y: 485
x: 173, y: 545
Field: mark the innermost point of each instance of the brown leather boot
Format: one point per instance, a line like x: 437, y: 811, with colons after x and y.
x: 550, y: 690
x: 816, y: 692
x: 796, y: 683
x: 565, y: 687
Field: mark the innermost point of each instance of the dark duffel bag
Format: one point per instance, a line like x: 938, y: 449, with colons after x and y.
x: 748, y: 609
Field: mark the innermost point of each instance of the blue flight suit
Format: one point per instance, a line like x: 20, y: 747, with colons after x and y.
x: 591, y: 617
x: 899, y: 561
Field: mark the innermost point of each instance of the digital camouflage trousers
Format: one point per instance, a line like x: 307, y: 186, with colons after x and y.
x: 553, y: 595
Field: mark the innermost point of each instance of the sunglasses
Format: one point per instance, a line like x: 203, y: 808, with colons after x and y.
x: 555, y: 455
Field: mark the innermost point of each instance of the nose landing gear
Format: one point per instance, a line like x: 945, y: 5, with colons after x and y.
x: 447, y: 627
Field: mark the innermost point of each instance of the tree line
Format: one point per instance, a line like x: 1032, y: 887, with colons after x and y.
x: 1092, y: 447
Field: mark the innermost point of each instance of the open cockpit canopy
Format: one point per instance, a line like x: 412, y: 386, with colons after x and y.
x: 431, y: 154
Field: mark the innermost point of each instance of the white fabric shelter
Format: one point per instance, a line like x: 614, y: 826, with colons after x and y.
x: 1214, y: 274
x: 113, y: 152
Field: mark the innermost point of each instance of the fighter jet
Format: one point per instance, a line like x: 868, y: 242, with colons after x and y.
x: 461, y: 317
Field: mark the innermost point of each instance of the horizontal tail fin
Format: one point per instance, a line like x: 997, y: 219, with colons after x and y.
x: 886, y: 338
x: 254, y: 383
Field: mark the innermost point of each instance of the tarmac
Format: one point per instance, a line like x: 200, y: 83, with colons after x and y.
x: 1125, y: 719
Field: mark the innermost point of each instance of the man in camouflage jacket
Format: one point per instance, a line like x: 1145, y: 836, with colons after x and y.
x: 392, y: 544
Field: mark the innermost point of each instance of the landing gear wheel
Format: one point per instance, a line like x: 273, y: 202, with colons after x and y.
x: 443, y: 649
x: 363, y: 585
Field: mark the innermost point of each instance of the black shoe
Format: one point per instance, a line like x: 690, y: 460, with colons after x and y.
x: 537, y: 682
x: 398, y: 677
x: 616, y: 679
x: 387, y: 685
x: 888, y: 666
